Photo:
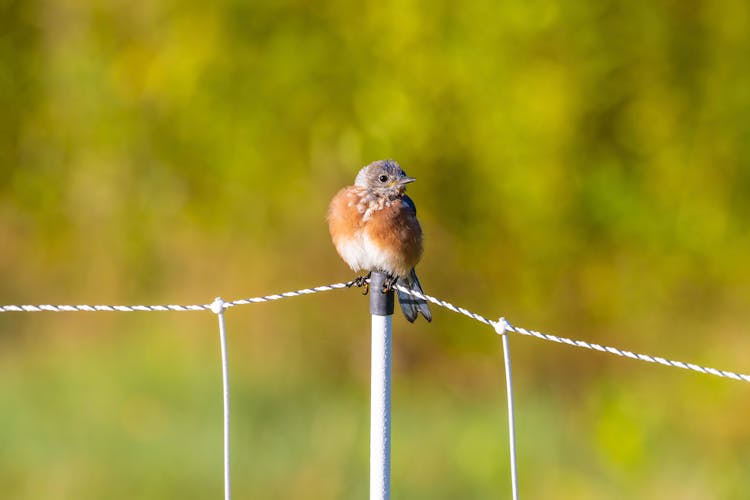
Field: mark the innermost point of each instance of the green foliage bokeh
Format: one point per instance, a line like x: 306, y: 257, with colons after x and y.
x: 582, y: 168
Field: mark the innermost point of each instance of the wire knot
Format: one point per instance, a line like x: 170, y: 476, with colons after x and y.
x: 218, y: 305
x: 501, y: 326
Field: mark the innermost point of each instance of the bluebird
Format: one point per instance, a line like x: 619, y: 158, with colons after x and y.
x: 374, y: 227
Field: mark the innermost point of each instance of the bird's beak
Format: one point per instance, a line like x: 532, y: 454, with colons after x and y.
x: 406, y: 180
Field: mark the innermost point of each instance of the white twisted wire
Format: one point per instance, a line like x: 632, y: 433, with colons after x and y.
x: 501, y: 326
x: 169, y: 307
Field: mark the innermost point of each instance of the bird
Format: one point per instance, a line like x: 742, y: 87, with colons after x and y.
x: 374, y: 227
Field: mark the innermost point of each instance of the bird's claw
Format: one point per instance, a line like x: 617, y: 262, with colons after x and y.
x: 360, y: 282
x: 389, y: 283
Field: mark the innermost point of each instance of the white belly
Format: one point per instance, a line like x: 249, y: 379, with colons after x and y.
x: 362, y: 254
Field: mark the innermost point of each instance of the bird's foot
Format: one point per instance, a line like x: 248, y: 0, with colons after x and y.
x: 360, y: 282
x: 389, y: 283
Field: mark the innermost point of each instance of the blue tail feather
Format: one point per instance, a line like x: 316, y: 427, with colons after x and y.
x: 411, y: 305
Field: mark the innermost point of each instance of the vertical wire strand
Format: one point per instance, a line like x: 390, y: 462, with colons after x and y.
x: 218, y: 307
x: 501, y: 328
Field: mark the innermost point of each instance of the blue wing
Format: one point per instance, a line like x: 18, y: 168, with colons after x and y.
x: 409, y: 203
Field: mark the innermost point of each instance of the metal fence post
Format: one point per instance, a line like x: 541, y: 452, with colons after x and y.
x: 381, y: 309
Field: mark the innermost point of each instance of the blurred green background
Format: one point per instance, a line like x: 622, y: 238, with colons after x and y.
x: 583, y: 169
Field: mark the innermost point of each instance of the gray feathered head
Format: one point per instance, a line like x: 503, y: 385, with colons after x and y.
x: 383, y: 177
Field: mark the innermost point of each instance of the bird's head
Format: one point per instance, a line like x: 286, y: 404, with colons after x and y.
x: 383, y: 177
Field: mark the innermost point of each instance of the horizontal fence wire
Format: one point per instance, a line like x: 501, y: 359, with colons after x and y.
x: 170, y: 307
x: 501, y: 326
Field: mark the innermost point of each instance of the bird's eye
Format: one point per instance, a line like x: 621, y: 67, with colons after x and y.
x: 383, y: 178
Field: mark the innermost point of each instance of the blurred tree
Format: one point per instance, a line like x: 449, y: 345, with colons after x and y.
x: 583, y: 168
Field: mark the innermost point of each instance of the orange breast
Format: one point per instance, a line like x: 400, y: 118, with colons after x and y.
x: 395, y: 229
x: 344, y: 220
